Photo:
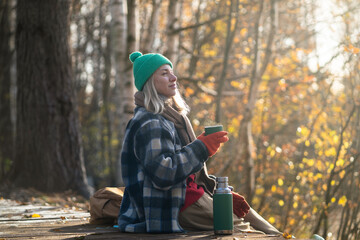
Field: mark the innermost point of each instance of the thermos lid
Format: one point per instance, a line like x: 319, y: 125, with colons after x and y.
x: 222, y: 185
x: 222, y: 179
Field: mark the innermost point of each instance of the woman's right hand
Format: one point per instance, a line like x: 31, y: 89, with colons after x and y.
x: 213, y: 141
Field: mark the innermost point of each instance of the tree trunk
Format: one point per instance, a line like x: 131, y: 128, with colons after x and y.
x: 129, y: 39
x: 6, y: 133
x: 148, y: 43
x: 247, y: 150
x: 229, y: 41
x: 173, y: 23
x: 118, y: 33
x: 108, y: 115
x: 49, y: 153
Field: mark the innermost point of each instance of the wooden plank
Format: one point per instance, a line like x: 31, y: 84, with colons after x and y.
x: 56, y: 222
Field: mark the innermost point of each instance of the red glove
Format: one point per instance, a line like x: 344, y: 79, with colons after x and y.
x: 240, y: 206
x: 212, y: 141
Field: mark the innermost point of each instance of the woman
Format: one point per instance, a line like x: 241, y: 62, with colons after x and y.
x: 163, y: 162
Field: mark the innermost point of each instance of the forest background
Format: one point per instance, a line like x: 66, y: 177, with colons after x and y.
x: 281, y: 76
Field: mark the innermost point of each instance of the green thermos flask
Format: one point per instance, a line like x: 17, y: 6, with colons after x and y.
x: 223, y: 207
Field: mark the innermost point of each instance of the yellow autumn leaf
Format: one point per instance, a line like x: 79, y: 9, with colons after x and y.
x: 294, y: 56
x: 330, y: 152
x: 311, y: 162
x: 280, y: 182
x: 342, y: 201
x: 210, y: 53
x: 271, y: 220
x: 231, y: 129
x: 207, y: 99
x: 246, y: 61
x: 287, y: 235
x: 331, y: 167
x: 272, y: 153
x: 333, y: 200
x: 235, y: 84
x: 281, y: 203
x: 319, y: 166
x: 291, y: 166
x: 35, y: 215
x: 266, y: 77
x: 337, y: 109
x: 318, y: 176
x: 259, y: 191
x: 273, y: 188
x: 340, y: 162
x: 315, y: 210
x: 352, y: 49
x: 189, y: 91
x: 243, y: 32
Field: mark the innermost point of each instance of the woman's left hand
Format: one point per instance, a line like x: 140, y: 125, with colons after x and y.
x: 240, y: 206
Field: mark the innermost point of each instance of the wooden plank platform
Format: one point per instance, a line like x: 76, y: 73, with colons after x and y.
x: 39, y: 221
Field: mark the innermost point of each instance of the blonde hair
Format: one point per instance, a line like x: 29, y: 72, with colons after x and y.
x: 155, y: 102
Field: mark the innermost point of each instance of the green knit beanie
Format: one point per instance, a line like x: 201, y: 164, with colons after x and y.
x: 145, y: 65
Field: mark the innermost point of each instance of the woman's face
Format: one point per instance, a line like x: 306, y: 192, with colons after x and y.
x: 165, y: 81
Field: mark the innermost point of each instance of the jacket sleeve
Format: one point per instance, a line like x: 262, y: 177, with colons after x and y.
x: 164, y: 162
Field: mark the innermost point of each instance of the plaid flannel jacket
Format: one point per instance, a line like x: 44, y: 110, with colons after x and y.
x: 154, y: 168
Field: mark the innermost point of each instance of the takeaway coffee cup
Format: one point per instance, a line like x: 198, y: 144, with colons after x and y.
x: 213, y: 129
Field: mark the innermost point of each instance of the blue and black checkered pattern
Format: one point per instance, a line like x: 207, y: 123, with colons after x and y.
x: 154, y: 168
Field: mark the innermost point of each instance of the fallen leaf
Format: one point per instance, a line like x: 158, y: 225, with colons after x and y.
x: 287, y: 235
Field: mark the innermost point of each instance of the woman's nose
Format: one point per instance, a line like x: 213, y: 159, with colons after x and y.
x: 173, y: 78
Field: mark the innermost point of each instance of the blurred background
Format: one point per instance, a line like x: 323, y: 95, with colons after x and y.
x: 281, y: 76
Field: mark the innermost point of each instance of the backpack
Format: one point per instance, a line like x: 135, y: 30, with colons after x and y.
x: 105, y: 205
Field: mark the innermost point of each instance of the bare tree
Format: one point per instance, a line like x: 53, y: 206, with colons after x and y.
x: 173, y: 23
x: 118, y: 37
x: 230, y: 34
x: 126, y: 83
x: 152, y: 25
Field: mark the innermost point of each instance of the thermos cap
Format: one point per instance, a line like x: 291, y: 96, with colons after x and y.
x: 222, y: 179
x: 222, y: 186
